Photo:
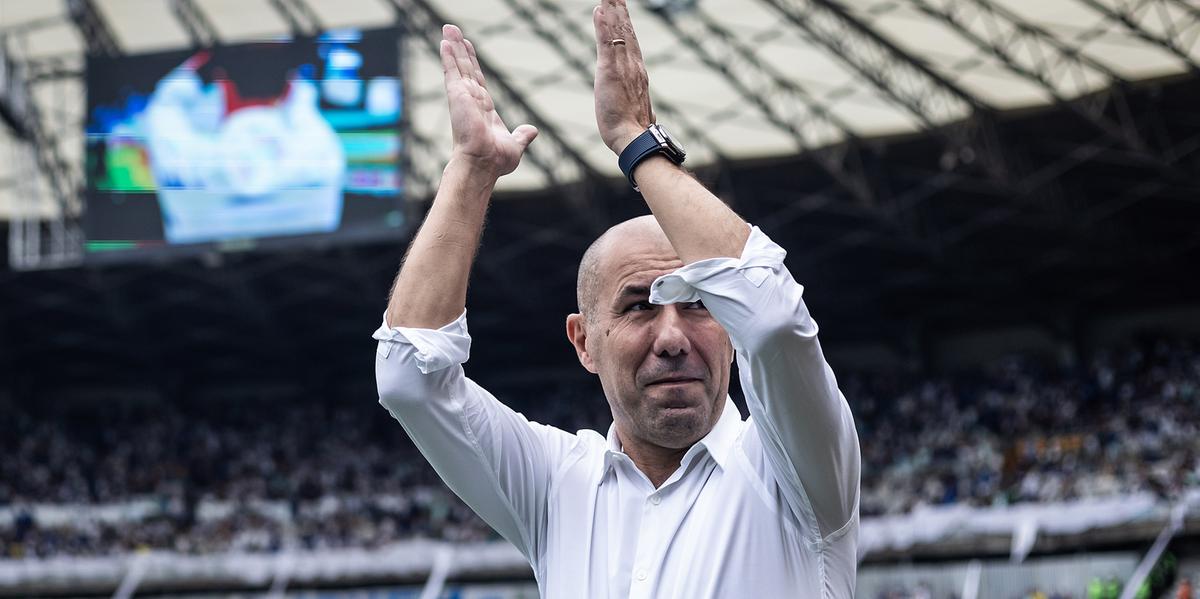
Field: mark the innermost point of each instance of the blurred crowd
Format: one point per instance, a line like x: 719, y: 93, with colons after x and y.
x: 1162, y: 582
x: 232, y: 475
x: 272, y: 475
x: 1127, y: 422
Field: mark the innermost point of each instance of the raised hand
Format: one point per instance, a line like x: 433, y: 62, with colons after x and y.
x: 481, y: 138
x: 622, y: 91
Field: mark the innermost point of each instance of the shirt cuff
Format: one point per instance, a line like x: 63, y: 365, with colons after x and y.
x: 760, y: 259
x: 435, y: 349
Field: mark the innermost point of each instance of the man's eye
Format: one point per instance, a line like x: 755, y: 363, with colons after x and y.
x: 698, y: 304
x: 639, y: 307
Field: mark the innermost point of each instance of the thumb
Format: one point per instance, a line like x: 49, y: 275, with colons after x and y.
x: 524, y: 134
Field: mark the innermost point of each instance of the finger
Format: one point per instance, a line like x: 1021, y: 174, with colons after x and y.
x: 449, y: 66
x: 611, y: 29
x: 524, y: 135
x: 601, y: 27
x: 477, y: 71
x: 621, y: 26
x: 605, y: 50
x: 458, y: 48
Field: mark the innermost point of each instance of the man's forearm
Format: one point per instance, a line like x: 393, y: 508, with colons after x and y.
x: 699, y: 224
x: 431, y: 289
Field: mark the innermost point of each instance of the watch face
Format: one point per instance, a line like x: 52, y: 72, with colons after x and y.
x: 675, y: 147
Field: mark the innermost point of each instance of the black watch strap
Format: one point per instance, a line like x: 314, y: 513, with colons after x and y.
x: 642, y: 147
x: 653, y: 140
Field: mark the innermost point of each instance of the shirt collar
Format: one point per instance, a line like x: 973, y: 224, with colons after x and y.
x: 718, y: 442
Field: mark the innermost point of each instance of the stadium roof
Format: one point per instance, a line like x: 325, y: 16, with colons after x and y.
x: 1095, y: 236
x: 736, y: 79
x: 965, y: 163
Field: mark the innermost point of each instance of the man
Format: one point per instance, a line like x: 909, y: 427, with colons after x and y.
x: 683, y: 499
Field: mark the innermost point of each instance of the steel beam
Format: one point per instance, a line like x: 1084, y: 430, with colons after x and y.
x: 201, y: 31
x: 1181, y: 153
x: 1189, y: 6
x: 550, y: 23
x: 35, y: 241
x: 1044, y: 60
x: 550, y: 153
x: 1174, y: 37
x: 961, y: 119
x: 785, y: 104
x: 1031, y: 184
x: 97, y: 35
x: 54, y: 68
x: 1061, y: 253
x: 62, y: 181
x: 299, y: 15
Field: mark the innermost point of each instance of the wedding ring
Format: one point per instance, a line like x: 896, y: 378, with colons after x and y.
x: 617, y: 42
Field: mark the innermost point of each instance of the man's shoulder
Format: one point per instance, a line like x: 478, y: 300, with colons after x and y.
x: 591, y: 444
x: 580, y: 459
x: 571, y: 446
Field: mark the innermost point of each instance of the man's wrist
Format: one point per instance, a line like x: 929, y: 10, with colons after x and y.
x: 467, y: 183
x: 624, y: 138
x: 654, y: 162
x: 471, y: 171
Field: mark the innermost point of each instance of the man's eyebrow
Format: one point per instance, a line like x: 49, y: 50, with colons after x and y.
x: 632, y: 291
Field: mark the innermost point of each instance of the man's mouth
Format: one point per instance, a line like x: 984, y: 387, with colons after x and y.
x: 681, y: 380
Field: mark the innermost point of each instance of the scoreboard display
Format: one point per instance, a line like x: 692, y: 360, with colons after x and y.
x: 245, y: 146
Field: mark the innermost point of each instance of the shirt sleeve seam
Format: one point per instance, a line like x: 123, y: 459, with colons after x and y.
x: 808, y: 513
x: 552, y: 492
x: 823, y: 553
x: 813, y: 540
x: 494, y: 478
x: 841, y: 532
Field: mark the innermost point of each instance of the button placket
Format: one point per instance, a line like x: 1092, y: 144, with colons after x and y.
x: 648, y: 540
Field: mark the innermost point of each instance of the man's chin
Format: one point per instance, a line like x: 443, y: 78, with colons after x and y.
x: 680, y: 425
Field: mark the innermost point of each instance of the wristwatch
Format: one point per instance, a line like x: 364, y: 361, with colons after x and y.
x: 653, y: 140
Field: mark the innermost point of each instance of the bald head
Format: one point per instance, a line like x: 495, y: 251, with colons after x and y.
x: 643, y: 229
x: 633, y: 345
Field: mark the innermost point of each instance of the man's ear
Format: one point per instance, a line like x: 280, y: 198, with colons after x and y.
x: 577, y: 335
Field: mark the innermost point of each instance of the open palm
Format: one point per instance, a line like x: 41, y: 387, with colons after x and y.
x: 480, y: 136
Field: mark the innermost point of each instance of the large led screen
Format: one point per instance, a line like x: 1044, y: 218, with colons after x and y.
x: 245, y: 145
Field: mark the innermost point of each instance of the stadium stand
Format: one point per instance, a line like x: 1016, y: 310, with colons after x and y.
x: 261, y: 477
x: 986, y: 200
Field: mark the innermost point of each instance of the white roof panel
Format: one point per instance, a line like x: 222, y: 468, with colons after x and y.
x: 244, y: 20
x: 703, y: 95
x: 142, y: 26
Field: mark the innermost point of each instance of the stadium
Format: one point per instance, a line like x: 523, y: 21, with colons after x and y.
x: 991, y: 205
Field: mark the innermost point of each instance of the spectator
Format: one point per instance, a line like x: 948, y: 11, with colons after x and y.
x: 254, y: 476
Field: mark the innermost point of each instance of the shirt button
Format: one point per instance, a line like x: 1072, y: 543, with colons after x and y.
x: 641, y: 575
x: 655, y: 499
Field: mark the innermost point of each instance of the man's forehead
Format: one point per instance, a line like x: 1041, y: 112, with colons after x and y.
x: 632, y: 268
x: 635, y: 239
x: 633, y: 243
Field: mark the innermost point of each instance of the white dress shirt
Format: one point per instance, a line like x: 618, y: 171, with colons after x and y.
x: 762, y: 508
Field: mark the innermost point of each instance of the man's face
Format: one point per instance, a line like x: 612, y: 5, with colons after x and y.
x: 665, y: 369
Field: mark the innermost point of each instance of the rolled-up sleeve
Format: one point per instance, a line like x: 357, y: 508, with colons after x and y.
x: 804, y: 424
x: 498, y: 462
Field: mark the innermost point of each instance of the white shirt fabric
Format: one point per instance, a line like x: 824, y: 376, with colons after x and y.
x: 762, y: 508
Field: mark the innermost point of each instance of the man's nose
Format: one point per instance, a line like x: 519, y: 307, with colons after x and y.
x: 670, y: 332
